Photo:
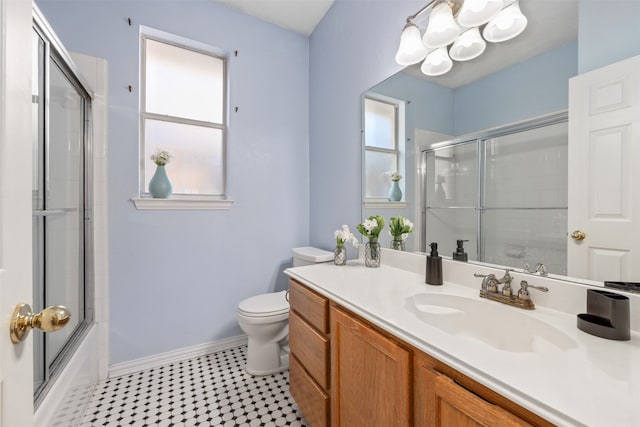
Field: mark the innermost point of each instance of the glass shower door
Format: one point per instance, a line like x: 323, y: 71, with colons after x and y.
x: 451, y: 184
x: 60, y: 141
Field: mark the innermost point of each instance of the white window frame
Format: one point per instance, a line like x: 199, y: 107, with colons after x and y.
x: 180, y: 201
x: 399, y: 150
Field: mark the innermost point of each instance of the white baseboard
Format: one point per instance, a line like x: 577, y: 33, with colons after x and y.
x: 156, y: 360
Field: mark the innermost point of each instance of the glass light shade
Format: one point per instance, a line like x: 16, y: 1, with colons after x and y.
x: 468, y: 46
x: 411, y: 49
x: 442, y: 28
x: 437, y: 63
x: 474, y: 13
x: 509, y: 23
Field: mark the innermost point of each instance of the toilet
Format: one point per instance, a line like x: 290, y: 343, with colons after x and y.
x: 265, y: 320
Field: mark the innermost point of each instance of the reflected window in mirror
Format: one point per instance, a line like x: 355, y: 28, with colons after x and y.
x: 384, y: 119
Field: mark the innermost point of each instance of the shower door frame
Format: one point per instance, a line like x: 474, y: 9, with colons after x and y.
x: 54, y: 51
x: 479, y: 139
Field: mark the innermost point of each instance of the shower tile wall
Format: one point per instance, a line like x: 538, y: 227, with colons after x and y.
x: 527, y: 170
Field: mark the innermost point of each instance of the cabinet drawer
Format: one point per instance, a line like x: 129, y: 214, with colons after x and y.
x: 310, y: 347
x: 311, y: 399
x: 313, y: 307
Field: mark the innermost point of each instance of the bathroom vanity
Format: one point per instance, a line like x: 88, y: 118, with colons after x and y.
x: 378, y: 344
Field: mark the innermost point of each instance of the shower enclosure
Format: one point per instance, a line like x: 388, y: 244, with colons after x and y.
x: 61, y: 203
x: 505, y: 191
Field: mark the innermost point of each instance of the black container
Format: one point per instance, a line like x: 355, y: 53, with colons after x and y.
x: 460, y: 254
x: 434, y: 266
x: 607, y: 316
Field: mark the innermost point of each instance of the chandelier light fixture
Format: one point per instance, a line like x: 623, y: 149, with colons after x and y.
x: 462, y: 26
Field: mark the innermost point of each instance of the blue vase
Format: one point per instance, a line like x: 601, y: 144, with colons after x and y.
x: 395, y: 194
x: 160, y: 186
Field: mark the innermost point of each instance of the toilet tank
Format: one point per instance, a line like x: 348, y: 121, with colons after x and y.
x: 308, y: 255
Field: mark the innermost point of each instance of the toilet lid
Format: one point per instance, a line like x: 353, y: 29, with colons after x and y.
x: 265, y: 305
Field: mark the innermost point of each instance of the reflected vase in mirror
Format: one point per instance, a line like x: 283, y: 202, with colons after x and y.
x: 340, y: 255
x: 372, y: 253
x: 160, y: 186
x: 397, y: 243
x: 395, y: 193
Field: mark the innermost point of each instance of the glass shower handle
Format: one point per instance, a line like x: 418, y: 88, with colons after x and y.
x: 48, y: 212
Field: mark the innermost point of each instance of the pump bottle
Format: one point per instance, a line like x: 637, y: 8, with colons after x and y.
x: 460, y: 254
x: 434, y: 266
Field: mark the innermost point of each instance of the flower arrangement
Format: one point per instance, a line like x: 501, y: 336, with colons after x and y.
x: 395, y: 177
x: 344, y: 235
x: 400, y: 227
x: 161, y: 158
x: 371, y: 227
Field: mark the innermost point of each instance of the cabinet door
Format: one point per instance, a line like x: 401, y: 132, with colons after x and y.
x: 450, y: 404
x: 370, y: 378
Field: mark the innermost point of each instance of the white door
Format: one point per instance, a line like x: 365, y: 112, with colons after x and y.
x: 16, y: 360
x: 604, y: 173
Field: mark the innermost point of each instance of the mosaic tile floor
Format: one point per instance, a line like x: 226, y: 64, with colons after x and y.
x: 212, y: 390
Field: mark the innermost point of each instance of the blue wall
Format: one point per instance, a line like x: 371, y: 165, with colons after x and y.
x: 177, y: 276
x: 353, y: 50
x: 297, y: 133
x: 609, y: 31
x: 531, y: 88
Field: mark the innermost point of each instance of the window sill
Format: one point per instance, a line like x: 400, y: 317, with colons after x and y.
x: 385, y: 204
x: 148, y: 203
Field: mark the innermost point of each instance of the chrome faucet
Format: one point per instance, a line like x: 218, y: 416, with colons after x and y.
x: 506, y: 281
x: 489, y: 282
x: 539, y: 268
x: 490, y: 290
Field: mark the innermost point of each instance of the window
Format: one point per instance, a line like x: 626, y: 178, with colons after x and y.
x: 183, y: 112
x: 383, y: 143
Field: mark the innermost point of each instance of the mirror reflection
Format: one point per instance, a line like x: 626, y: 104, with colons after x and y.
x: 477, y: 163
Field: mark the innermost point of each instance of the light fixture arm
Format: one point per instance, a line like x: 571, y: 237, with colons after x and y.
x: 455, y: 5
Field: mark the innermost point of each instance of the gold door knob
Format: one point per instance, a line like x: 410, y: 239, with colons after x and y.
x: 578, y: 235
x: 48, y: 320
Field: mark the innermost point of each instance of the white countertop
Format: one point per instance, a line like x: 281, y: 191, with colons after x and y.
x: 593, y: 381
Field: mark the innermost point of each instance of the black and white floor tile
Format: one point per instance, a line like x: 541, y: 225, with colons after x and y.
x: 212, y: 390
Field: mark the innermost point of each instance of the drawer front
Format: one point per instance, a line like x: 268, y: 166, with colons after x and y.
x: 310, y: 305
x: 310, y: 347
x: 311, y: 399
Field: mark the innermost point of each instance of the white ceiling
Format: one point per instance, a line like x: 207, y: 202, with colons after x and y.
x: 552, y: 23
x: 301, y: 16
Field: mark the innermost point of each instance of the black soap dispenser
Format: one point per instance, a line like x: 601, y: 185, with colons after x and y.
x: 460, y: 254
x: 434, y: 266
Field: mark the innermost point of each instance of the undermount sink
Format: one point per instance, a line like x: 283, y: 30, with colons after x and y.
x: 496, y: 325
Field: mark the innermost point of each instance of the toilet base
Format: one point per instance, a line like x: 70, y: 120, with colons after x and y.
x: 284, y: 366
x: 267, y: 358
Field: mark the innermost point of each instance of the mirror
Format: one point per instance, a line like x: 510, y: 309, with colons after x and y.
x: 511, y: 82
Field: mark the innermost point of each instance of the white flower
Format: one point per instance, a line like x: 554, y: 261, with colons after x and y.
x: 396, y: 176
x: 345, y: 236
x: 408, y: 223
x: 161, y: 158
x: 370, y: 224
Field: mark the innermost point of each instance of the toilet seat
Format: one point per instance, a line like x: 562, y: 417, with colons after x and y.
x: 265, y: 305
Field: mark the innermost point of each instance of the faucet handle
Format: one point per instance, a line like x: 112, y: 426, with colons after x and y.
x: 489, y: 283
x: 523, y: 293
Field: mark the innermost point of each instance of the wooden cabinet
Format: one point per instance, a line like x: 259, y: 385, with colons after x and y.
x: 309, y: 357
x: 444, y: 397
x: 370, y: 375
x: 344, y: 371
